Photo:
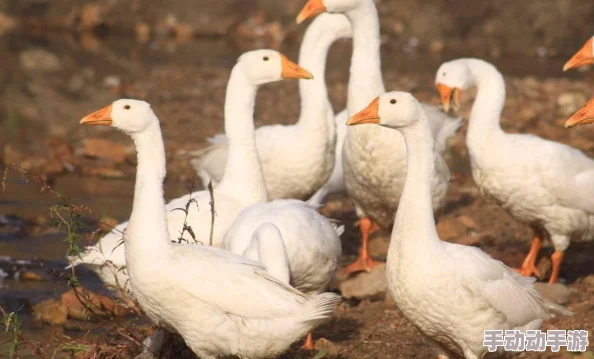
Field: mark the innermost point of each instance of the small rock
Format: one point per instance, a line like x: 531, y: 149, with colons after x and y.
x: 449, y: 229
x: 556, y: 292
x: 39, y: 60
x: 527, y: 114
x: 50, y: 311
x: 82, y: 308
x: 436, y: 46
x: 143, y: 32
x: 183, y: 31
x: 32, y: 276
x: 365, y: 285
x: 544, y: 267
x: 7, y: 23
x: 379, y: 244
x: 87, y: 304
x: 570, y: 102
x: 101, y: 148
x: 469, y: 240
x: 323, y: 343
x: 91, y: 17
x: 467, y: 222
x: 112, y: 81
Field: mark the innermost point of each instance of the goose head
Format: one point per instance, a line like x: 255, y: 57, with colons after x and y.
x: 315, y: 7
x: 583, y: 116
x: 265, y: 66
x: 451, y: 79
x: 583, y: 57
x: 129, y: 116
x: 394, y: 109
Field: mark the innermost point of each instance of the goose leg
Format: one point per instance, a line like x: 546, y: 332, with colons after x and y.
x: 529, y: 265
x: 364, y: 262
x: 309, y: 344
x: 557, y: 259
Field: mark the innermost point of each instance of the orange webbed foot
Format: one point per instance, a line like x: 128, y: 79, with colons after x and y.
x: 362, y: 264
x: 309, y: 343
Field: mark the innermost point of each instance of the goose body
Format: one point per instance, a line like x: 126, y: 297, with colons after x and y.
x: 242, y: 185
x: 220, y: 303
x: 311, y: 243
x: 374, y: 158
x: 450, y: 292
x: 539, y: 182
x: 267, y: 247
x: 296, y: 159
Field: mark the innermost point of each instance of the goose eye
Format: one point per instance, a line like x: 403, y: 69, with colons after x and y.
x: 444, y: 73
x: 127, y: 107
x: 392, y: 101
x: 265, y: 58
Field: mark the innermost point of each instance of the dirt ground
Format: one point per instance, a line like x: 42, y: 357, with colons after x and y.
x: 50, y: 80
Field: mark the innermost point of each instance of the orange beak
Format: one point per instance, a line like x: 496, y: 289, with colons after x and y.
x: 311, y: 9
x: 583, y: 57
x: 446, y: 94
x: 291, y: 70
x: 368, y: 115
x: 583, y: 116
x: 101, y: 117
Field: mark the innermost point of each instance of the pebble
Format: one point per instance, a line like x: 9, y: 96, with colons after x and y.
x: 450, y: 228
x: 544, y: 267
x: 467, y: 222
x: 569, y: 102
x: 39, y: 60
x: 379, y: 244
x: 323, y: 343
x: 7, y: 23
x: 50, y: 311
x: 365, y: 285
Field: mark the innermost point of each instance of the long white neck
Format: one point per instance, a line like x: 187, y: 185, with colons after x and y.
x: 365, y: 81
x: 147, y: 236
x: 243, y: 176
x: 486, y: 112
x: 414, y: 225
x: 316, y: 111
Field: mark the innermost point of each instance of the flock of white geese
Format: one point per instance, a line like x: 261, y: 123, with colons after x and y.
x: 256, y: 282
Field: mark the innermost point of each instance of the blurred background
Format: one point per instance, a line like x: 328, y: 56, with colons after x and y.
x: 62, y: 59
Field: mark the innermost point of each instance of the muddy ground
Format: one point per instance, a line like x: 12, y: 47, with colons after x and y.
x: 178, y: 57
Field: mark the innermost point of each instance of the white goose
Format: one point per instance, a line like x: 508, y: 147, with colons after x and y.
x: 584, y: 56
x: 296, y: 159
x: 374, y: 158
x: 242, y: 185
x: 450, y: 292
x: 539, y: 182
x: 220, y: 303
x: 310, y: 243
